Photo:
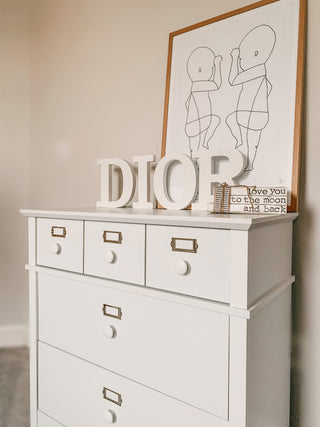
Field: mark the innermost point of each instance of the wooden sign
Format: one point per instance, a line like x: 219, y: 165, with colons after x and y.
x: 243, y: 199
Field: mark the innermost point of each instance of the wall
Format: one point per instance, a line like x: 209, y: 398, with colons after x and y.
x: 14, y: 139
x: 98, y: 79
x: 306, y: 313
x: 97, y: 88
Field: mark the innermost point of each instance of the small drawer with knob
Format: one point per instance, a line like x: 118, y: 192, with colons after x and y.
x: 191, y: 261
x: 115, y: 251
x: 60, y: 244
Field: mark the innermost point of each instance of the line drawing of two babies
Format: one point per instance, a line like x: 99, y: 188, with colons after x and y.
x: 248, y: 69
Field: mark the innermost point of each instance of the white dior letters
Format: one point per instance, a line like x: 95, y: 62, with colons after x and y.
x: 128, y: 186
x: 207, y: 177
x: 143, y: 181
x: 160, y: 184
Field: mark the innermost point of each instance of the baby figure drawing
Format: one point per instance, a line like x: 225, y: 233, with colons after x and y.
x: 248, y: 69
x: 204, y: 71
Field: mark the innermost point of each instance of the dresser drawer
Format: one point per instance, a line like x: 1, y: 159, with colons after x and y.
x: 115, y: 251
x: 60, y: 244
x: 193, y: 261
x: 179, y: 350
x: 45, y: 421
x: 79, y: 394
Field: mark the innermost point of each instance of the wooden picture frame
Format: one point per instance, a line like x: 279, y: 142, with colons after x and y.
x: 192, y: 111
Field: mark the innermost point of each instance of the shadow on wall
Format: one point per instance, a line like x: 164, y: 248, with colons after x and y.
x: 302, y: 231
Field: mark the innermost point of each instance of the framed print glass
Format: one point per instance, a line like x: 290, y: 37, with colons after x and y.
x: 235, y: 81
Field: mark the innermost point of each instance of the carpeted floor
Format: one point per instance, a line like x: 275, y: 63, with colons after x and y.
x: 14, y: 387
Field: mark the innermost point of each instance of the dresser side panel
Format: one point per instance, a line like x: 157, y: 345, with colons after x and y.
x: 268, y: 378
x: 270, y: 256
x: 32, y: 238
x: 239, y: 269
x: 33, y: 352
x: 238, y: 372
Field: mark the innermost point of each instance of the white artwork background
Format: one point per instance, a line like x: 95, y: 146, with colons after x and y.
x: 273, y: 163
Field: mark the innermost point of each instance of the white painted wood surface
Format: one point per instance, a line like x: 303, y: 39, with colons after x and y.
x: 143, y: 181
x: 161, y: 181
x: 128, y: 254
x: 70, y: 255
x: 175, y: 353
x: 270, y: 258
x: 268, y: 361
x: 128, y: 178
x: 238, y: 373
x: 208, y: 274
x: 186, y: 218
x: 32, y: 236
x: 45, y: 421
x: 33, y: 323
x: 150, y: 292
x: 71, y: 390
x: 239, y: 269
x: 33, y: 351
x: 181, y: 336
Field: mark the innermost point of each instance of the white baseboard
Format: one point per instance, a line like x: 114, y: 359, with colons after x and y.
x: 14, y: 336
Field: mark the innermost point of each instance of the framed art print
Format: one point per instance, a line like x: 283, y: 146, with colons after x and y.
x: 235, y: 81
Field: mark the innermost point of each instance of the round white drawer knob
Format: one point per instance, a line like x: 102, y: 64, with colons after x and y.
x: 56, y: 248
x: 110, y: 417
x: 110, y: 331
x: 110, y: 257
x: 181, y: 267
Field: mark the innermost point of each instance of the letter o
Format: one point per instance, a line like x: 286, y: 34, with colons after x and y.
x: 160, y: 182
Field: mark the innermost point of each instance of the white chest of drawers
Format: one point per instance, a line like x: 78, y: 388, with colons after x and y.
x: 159, y: 319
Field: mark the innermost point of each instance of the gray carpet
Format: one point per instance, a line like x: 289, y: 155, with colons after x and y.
x: 14, y: 387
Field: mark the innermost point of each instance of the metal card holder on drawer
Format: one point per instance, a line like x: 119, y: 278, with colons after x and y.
x: 179, y: 244
x: 112, y: 237
x: 112, y: 396
x: 112, y: 311
x: 58, y: 231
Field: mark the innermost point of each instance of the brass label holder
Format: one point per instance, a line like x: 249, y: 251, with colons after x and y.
x: 112, y: 237
x: 58, y: 231
x: 112, y: 311
x: 179, y: 244
x: 112, y: 396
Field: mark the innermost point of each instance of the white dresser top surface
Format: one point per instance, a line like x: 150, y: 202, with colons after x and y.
x: 186, y: 218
